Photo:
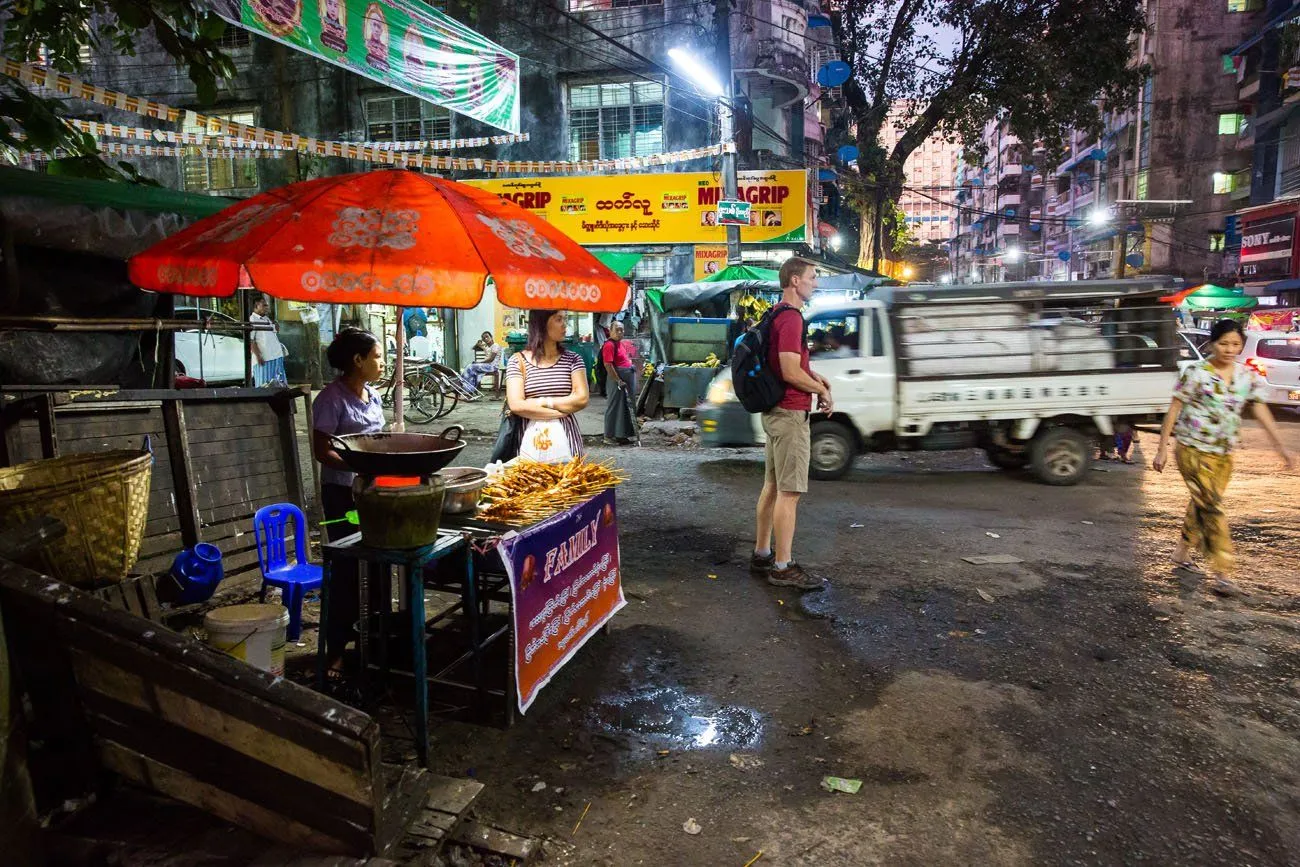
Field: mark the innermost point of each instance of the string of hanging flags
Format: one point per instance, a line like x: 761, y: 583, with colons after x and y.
x: 255, y: 137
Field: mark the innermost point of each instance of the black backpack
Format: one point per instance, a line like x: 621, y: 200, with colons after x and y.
x: 758, y: 387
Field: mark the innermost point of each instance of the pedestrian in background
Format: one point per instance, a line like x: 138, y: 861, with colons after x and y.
x: 788, y: 448
x: 617, y: 356
x: 268, y: 352
x: 487, y: 356
x: 1205, y: 420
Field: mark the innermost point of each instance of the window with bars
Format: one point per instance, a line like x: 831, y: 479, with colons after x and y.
x: 1230, y: 123
x: 650, y: 273
x: 234, y: 37
x: 219, y: 174
x: 405, y: 118
x: 615, y: 120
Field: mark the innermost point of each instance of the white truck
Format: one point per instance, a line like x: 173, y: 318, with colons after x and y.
x: 1033, y: 373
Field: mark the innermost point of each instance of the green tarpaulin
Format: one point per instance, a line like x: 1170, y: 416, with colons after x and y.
x: 107, y: 194
x: 742, y: 272
x: 1211, y: 297
x: 620, y: 263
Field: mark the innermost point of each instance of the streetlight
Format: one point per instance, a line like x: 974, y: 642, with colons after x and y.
x: 908, y: 272
x: 707, y: 82
x: 1098, y: 217
x: 1013, y: 255
x: 945, y: 279
x: 837, y: 240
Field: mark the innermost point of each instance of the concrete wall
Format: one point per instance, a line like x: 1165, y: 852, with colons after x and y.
x: 1187, y: 42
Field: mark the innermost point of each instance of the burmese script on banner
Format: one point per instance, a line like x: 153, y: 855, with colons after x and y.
x: 661, y: 208
x: 565, y: 584
x: 405, y: 44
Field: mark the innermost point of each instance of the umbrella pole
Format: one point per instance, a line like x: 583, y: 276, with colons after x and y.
x: 399, y: 372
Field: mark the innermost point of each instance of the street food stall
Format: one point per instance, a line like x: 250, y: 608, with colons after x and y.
x: 363, y: 239
x: 210, y: 730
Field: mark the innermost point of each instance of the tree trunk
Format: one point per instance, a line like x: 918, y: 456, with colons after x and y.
x: 883, y: 186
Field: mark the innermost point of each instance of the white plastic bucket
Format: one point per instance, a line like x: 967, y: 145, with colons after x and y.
x: 253, y: 633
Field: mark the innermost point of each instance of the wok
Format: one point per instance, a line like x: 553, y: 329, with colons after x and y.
x: 399, y: 454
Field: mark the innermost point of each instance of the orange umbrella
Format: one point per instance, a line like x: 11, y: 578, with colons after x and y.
x: 382, y: 237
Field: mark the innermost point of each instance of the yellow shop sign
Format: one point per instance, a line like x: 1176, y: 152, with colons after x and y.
x: 662, y: 209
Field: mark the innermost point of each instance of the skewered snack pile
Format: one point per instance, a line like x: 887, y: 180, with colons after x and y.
x: 529, y: 491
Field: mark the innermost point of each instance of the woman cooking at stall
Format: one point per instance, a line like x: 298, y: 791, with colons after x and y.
x: 348, y: 405
x: 546, y: 384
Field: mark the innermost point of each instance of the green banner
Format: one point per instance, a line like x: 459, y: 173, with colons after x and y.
x: 402, y: 43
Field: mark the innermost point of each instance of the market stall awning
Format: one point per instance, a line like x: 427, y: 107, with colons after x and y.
x: 733, y: 278
x: 1208, y: 296
x: 620, y: 263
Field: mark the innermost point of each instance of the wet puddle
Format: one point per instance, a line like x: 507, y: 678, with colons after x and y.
x: 670, y: 717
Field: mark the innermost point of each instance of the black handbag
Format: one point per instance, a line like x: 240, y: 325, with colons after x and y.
x: 510, y: 435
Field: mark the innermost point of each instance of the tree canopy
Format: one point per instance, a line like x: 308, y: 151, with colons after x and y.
x: 54, y: 34
x: 950, y: 66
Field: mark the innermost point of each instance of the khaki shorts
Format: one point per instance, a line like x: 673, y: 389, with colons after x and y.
x: 788, y: 450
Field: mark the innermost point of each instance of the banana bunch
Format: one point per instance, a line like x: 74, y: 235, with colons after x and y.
x: 711, y: 361
x: 753, y: 305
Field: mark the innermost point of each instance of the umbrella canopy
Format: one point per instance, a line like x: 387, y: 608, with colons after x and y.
x: 1211, y: 297
x: 382, y: 237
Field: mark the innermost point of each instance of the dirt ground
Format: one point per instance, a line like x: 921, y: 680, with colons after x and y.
x: 1085, y: 706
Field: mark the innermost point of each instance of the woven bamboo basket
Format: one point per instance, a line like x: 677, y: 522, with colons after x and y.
x: 101, y: 497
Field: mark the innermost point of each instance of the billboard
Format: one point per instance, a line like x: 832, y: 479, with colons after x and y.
x: 1266, y: 249
x: 662, y: 208
x: 404, y: 44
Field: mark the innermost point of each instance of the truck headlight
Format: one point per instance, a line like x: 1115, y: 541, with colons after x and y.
x: 721, y: 391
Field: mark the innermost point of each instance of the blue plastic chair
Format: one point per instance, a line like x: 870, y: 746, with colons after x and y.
x: 270, y: 529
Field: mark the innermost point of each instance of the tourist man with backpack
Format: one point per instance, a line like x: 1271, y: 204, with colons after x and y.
x: 778, y: 382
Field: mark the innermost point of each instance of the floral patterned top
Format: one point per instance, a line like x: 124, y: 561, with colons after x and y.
x: 1211, y: 416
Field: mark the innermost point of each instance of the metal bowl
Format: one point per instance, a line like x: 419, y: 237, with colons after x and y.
x: 399, y: 454
x: 464, y: 486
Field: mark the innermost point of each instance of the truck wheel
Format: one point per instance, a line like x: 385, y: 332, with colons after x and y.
x: 1004, y: 459
x: 833, y: 450
x: 1060, y: 455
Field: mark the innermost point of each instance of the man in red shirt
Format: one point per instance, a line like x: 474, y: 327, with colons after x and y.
x: 788, y: 441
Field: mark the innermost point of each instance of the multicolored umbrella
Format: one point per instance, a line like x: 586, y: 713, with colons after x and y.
x: 382, y: 237
x: 1208, y: 296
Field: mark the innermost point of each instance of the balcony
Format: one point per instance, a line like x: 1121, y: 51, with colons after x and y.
x: 1008, y: 200
x: 1008, y: 228
x: 1010, y: 170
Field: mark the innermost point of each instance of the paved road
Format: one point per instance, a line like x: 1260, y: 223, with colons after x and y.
x: 1085, y: 706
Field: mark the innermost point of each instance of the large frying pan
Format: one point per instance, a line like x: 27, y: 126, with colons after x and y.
x: 399, y: 454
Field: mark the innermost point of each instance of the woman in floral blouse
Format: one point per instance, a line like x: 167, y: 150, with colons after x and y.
x: 1205, y: 419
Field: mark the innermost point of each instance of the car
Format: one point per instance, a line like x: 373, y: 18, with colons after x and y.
x: 1274, y: 355
x: 1191, y: 347
x: 217, y: 358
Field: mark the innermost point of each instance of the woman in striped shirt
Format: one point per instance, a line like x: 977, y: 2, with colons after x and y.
x: 547, y: 384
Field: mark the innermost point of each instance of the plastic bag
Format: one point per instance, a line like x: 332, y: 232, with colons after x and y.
x: 547, y: 441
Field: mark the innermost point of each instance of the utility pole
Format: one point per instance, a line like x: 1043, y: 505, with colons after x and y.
x: 727, y: 119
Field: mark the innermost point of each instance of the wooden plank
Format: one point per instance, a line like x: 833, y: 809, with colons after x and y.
x: 132, y: 644
x: 183, y: 787
x: 166, y: 544
x: 47, y: 427
x: 30, y: 535
x: 264, y: 461
x: 235, y: 412
x: 187, y: 509
x: 317, y: 722
x: 262, y: 490
x: 289, y: 457
x: 485, y: 838
x: 451, y: 795
x: 160, y: 524
x: 119, y: 423
x: 236, y: 433
x: 149, y: 597
x: 252, y: 466
x: 346, y: 780
x: 247, y: 446
x: 403, y: 800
